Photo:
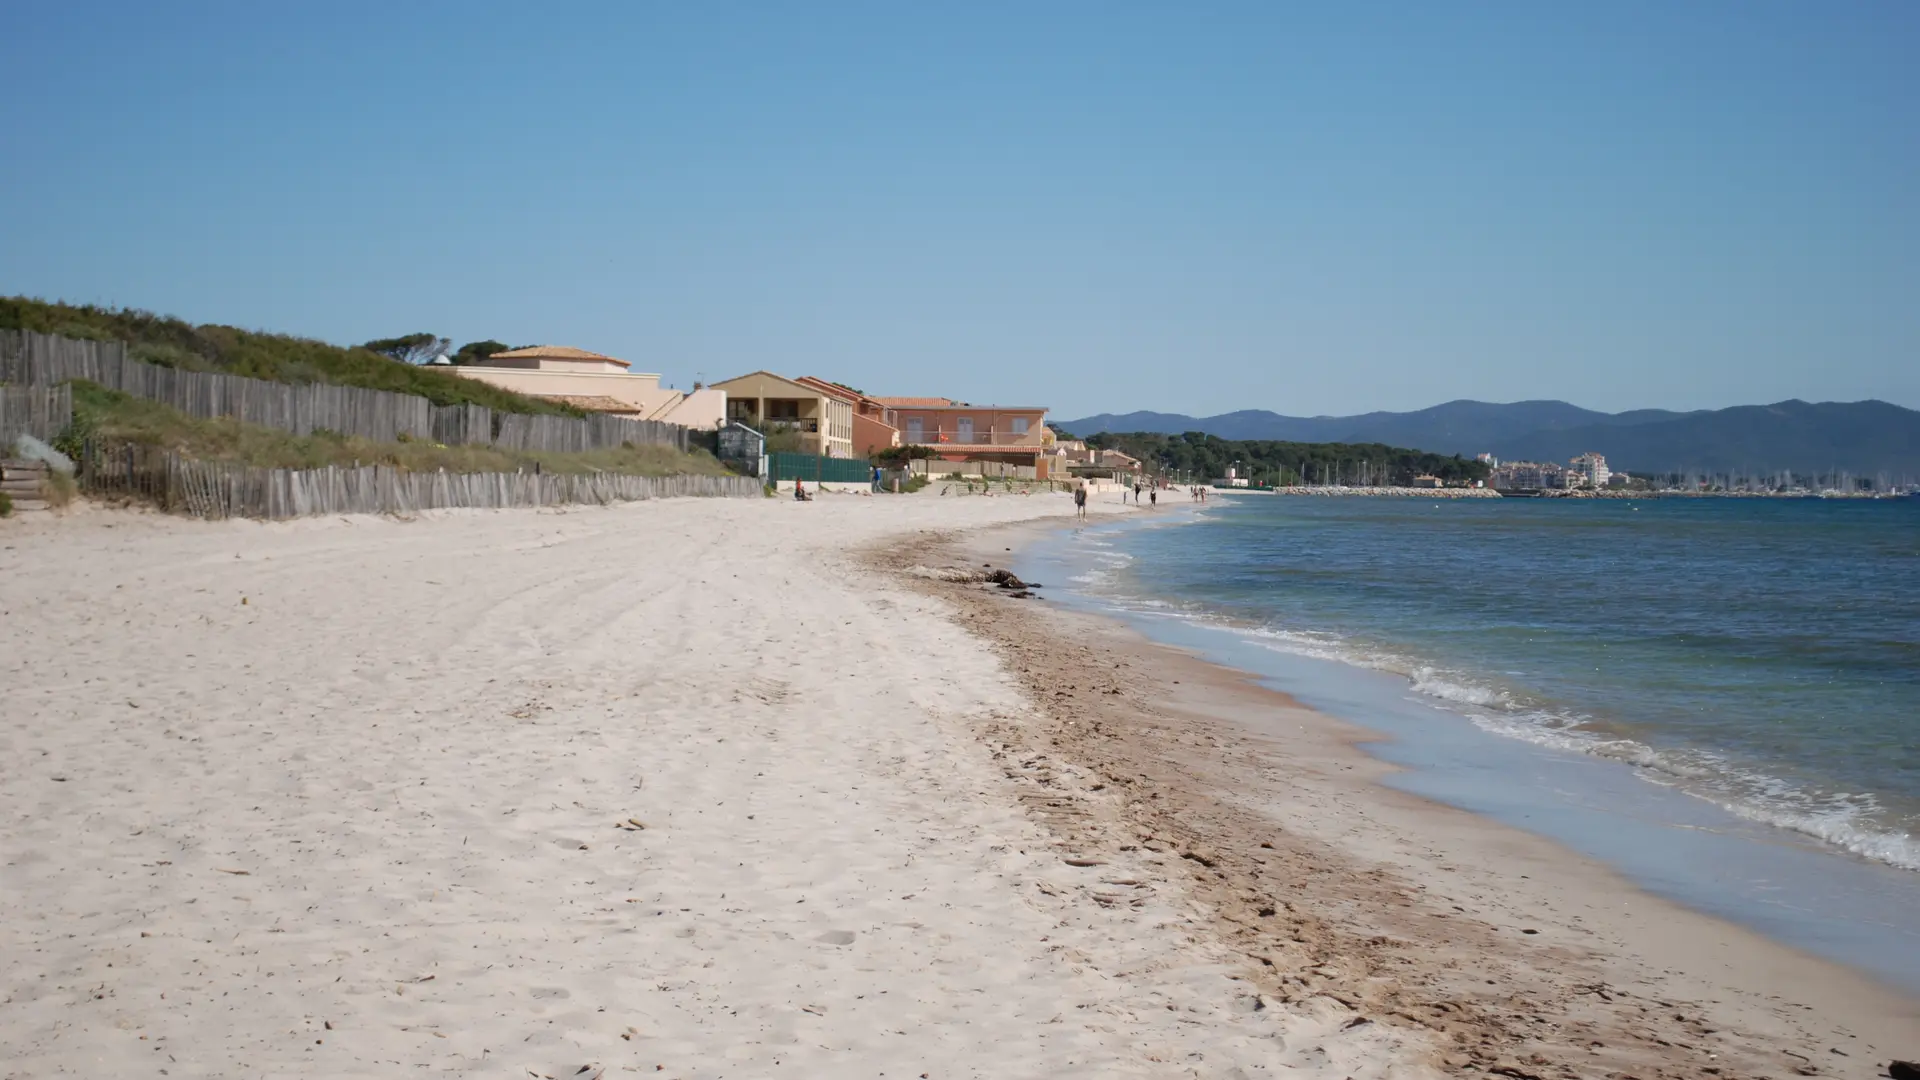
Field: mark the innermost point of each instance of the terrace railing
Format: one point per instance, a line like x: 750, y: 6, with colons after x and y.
x: 960, y: 437
x: 808, y: 424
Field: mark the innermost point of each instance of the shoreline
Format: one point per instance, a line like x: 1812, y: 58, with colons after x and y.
x: 695, y: 788
x: 1545, y: 494
x: 1424, y: 705
x: 1612, y: 977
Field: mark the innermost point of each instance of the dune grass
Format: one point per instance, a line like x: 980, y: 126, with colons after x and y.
x: 171, y: 342
x: 111, y: 416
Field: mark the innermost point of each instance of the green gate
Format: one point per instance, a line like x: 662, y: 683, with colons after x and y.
x: 786, y: 466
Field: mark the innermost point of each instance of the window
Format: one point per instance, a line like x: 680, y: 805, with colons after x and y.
x: 1019, y: 425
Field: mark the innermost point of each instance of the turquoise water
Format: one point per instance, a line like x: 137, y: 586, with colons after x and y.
x: 1761, y: 655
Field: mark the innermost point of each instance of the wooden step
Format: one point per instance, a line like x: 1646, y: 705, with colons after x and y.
x: 20, y: 491
x: 29, y: 506
x: 22, y: 465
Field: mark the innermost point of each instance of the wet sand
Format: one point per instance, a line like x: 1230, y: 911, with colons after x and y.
x: 1516, y: 955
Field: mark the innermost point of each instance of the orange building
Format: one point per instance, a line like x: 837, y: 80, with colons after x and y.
x: 958, y: 432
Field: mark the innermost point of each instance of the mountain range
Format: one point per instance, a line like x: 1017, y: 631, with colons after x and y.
x: 1863, y: 437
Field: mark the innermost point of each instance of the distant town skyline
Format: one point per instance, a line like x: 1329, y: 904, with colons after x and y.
x: 1099, y: 208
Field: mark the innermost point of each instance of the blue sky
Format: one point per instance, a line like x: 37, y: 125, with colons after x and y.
x: 1094, y: 206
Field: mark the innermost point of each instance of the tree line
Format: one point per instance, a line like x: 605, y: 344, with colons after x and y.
x: 425, y: 348
x: 1199, y: 457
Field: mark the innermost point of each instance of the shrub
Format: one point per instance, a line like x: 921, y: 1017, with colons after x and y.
x: 6, y: 504
x: 785, y: 439
x: 900, y: 455
x: 72, y: 442
x: 167, y: 354
x: 61, y: 488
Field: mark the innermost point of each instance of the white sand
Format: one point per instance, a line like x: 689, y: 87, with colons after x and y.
x: 413, y: 742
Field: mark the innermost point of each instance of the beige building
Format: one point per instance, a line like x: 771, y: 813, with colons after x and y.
x: 597, y: 383
x: 763, y: 400
x: 873, y: 423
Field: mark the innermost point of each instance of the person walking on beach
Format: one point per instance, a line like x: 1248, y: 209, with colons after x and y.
x: 1080, y: 499
x: 1153, y: 498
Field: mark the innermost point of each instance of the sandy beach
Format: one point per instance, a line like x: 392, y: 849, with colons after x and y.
x: 699, y: 788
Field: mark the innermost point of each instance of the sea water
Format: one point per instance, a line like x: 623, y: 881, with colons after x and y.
x: 1719, y: 696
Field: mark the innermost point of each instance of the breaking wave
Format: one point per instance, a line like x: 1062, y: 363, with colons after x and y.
x: 1852, y: 822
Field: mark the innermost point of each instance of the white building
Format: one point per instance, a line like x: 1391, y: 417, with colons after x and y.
x: 1592, y: 470
x: 1529, y: 476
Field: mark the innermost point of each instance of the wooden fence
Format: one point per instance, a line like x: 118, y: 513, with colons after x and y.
x: 525, y: 431
x: 214, y: 490
x: 40, y: 411
x: 457, y: 425
x: 934, y: 469
x: 303, y: 408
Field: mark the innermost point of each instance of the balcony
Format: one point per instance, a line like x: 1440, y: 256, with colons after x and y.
x: 808, y: 424
x: 958, y: 437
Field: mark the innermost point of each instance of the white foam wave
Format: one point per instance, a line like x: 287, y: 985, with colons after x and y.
x: 1846, y: 821
x: 1843, y: 830
x: 1852, y: 823
x: 1436, y: 684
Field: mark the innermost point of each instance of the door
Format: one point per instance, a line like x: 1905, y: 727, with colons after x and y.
x: 965, y: 426
x: 916, y: 430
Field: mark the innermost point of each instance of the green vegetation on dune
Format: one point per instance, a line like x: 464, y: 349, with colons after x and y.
x: 114, y: 417
x: 170, y: 342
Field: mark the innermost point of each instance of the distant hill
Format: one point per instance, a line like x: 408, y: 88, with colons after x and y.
x: 1861, y: 436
